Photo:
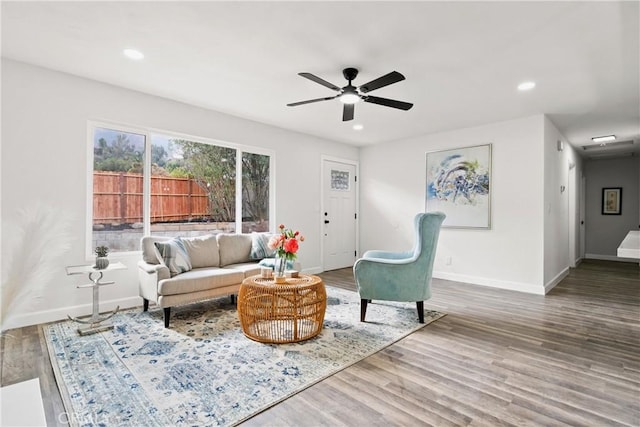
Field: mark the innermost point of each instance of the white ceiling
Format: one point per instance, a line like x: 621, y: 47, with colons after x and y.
x: 462, y: 60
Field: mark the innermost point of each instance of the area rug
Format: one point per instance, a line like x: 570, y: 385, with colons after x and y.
x: 203, y: 371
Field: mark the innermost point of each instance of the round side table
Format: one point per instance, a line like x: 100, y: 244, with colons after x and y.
x: 282, y: 313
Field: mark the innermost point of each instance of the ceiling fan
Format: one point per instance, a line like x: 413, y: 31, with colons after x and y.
x: 350, y: 95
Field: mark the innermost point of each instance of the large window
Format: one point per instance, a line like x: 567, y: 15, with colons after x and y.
x: 188, y: 188
x: 193, y: 187
x: 255, y: 192
x: 118, y: 159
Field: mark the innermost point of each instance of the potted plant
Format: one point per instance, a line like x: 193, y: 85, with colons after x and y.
x: 102, y: 261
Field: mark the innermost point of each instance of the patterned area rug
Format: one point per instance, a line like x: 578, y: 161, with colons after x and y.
x: 203, y: 370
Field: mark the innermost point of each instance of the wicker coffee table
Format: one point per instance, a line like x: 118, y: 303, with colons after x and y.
x: 282, y: 313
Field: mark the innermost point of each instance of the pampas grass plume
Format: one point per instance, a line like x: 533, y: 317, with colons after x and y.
x: 32, y: 260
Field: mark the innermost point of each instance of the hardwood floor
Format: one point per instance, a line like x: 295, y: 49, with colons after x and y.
x: 499, y: 357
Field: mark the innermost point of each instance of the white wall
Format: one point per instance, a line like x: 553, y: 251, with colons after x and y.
x: 557, y: 191
x: 510, y: 255
x: 606, y: 232
x: 44, y: 159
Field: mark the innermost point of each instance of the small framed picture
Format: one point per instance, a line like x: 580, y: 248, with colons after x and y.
x: 612, y: 201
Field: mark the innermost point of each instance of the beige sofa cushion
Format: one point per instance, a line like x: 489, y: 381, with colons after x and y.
x: 200, y: 279
x: 234, y: 248
x: 202, y: 251
x: 248, y: 269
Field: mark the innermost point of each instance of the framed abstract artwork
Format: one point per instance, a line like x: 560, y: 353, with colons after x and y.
x: 459, y: 184
x: 612, y: 201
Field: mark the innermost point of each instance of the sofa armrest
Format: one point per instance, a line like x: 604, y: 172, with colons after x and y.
x: 161, y: 270
x: 148, y: 277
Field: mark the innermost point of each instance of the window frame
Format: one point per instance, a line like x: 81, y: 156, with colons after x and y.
x: 148, y: 133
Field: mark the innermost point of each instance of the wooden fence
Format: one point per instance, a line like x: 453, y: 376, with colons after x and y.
x: 118, y: 198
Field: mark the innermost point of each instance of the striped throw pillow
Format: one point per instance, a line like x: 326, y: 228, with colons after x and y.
x: 174, y: 256
x: 259, y: 248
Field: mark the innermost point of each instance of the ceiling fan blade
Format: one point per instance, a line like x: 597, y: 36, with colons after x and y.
x: 293, y: 104
x: 388, y: 102
x: 386, y: 80
x: 319, y: 80
x: 347, y: 112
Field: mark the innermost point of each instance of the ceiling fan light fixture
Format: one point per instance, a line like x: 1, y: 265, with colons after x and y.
x: 350, y: 95
x: 349, y: 98
x: 605, y: 138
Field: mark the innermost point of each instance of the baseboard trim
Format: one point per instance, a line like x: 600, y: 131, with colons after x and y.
x: 609, y: 258
x: 553, y: 282
x: 47, y: 316
x: 492, y: 283
x: 312, y: 270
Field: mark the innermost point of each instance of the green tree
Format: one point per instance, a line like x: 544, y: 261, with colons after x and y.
x: 255, y: 186
x: 119, y: 155
x: 176, y: 169
x: 214, y: 170
x: 159, y: 155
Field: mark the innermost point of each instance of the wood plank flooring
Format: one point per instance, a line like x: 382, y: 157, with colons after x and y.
x: 499, y: 358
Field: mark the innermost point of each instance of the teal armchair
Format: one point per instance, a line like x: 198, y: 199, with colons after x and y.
x: 401, y: 276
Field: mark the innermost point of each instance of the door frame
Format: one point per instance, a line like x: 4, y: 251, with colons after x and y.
x: 582, y: 212
x: 323, y: 159
x: 573, y: 200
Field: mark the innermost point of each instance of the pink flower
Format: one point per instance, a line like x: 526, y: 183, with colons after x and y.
x: 274, y: 242
x: 291, y: 246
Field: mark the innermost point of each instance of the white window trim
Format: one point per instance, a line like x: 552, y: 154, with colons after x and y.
x: 146, y: 214
x: 91, y: 126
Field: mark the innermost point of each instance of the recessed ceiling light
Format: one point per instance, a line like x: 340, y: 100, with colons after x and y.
x: 606, y: 138
x: 526, y: 86
x: 133, y: 54
x: 358, y: 127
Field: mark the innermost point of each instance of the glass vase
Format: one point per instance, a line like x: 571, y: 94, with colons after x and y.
x: 280, y: 265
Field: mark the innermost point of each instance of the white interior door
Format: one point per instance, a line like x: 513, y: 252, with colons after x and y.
x: 339, y: 216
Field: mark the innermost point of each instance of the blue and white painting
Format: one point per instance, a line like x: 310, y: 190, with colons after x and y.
x: 459, y: 184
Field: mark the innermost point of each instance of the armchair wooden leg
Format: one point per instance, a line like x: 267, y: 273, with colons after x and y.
x: 420, y: 305
x: 363, y: 308
x: 167, y: 314
x: 145, y: 304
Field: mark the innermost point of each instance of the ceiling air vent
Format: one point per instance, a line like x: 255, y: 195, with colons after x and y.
x: 618, y: 144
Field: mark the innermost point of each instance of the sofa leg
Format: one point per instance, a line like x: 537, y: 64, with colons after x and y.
x: 145, y: 304
x: 363, y: 308
x: 167, y: 314
x: 233, y: 298
x: 420, y: 305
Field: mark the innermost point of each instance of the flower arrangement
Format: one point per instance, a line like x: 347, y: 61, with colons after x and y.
x: 286, y: 246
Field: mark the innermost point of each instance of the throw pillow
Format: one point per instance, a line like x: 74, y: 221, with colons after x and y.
x: 174, y: 256
x: 259, y: 246
x: 202, y: 250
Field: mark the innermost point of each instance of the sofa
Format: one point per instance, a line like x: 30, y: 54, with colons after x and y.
x: 183, y: 270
